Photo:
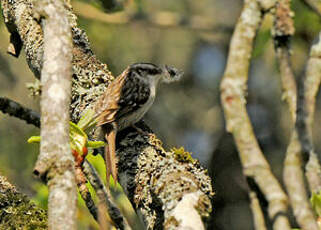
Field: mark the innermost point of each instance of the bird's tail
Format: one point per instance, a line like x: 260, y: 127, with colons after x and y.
x: 110, y: 156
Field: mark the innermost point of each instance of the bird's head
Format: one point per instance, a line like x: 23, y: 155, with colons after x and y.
x: 153, y: 73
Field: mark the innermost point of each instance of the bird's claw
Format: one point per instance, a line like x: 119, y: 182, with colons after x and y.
x: 140, y: 131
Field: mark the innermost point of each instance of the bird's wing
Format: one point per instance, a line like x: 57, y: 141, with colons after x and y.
x: 107, y: 106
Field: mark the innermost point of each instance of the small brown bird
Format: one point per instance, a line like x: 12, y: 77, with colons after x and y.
x: 125, y: 102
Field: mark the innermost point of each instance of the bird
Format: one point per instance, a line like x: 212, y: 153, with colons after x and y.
x: 125, y: 101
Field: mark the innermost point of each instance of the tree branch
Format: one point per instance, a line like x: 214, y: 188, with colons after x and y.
x: 155, y: 181
x: 105, y: 196
x: 308, y: 90
x: 282, y: 32
x: 233, y: 91
x: 84, y: 192
x: 258, y: 216
x: 15, y: 109
x: 55, y: 162
x: 97, y: 184
x: 17, y: 212
x: 293, y: 174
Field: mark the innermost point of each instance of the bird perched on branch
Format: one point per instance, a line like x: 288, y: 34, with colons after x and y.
x: 125, y: 102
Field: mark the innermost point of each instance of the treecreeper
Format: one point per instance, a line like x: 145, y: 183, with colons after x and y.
x: 125, y: 101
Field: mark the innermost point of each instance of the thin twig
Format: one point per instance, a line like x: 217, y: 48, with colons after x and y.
x: 84, y: 192
x: 294, y: 182
x: 104, y: 195
x: 103, y: 217
x: 258, y: 216
x: 233, y: 91
x: 55, y: 162
x: 308, y: 89
x: 283, y: 31
x: 15, y: 109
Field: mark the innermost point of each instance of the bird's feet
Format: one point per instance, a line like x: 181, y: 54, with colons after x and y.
x: 140, y: 131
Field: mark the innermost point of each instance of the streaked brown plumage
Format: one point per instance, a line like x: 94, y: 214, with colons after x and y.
x: 125, y: 102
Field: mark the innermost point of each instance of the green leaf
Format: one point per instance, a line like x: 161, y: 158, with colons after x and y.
x: 77, y: 134
x: 34, y: 139
x: 316, y: 203
x: 87, y: 120
x: 78, y: 138
x: 95, y: 144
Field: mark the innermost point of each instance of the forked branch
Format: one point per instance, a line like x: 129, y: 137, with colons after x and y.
x: 233, y: 92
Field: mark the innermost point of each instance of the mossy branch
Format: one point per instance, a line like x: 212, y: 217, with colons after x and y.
x: 155, y: 182
x: 17, y: 211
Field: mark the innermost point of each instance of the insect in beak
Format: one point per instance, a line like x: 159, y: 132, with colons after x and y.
x: 171, y: 74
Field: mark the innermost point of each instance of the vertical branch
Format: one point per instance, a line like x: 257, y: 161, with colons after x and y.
x: 294, y: 182
x: 293, y: 174
x: 258, y: 216
x: 233, y: 91
x: 282, y: 32
x: 55, y: 162
x: 306, y: 107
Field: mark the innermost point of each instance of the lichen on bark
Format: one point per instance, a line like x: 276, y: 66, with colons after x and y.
x: 17, y: 211
x: 153, y: 179
x: 160, y: 180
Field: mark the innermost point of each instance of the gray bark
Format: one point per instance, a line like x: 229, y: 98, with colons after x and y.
x: 55, y: 162
x: 157, y: 182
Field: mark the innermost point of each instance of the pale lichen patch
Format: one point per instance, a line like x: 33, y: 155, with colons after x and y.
x: 56, y: 92
x: 186, y: 214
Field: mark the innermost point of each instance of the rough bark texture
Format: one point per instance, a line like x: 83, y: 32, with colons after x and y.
x: 233, y: 91
x: 161, y: 182
x: 156, y: 181
x: 282, y: 32
x: 306, y: 107
x: 294, y: 181
x: 293, y: 173
x: 16, y: 210
x: 55, y: 162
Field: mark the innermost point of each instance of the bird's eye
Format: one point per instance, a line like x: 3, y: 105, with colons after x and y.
x: 153, y: 71
x: 172, y: 72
